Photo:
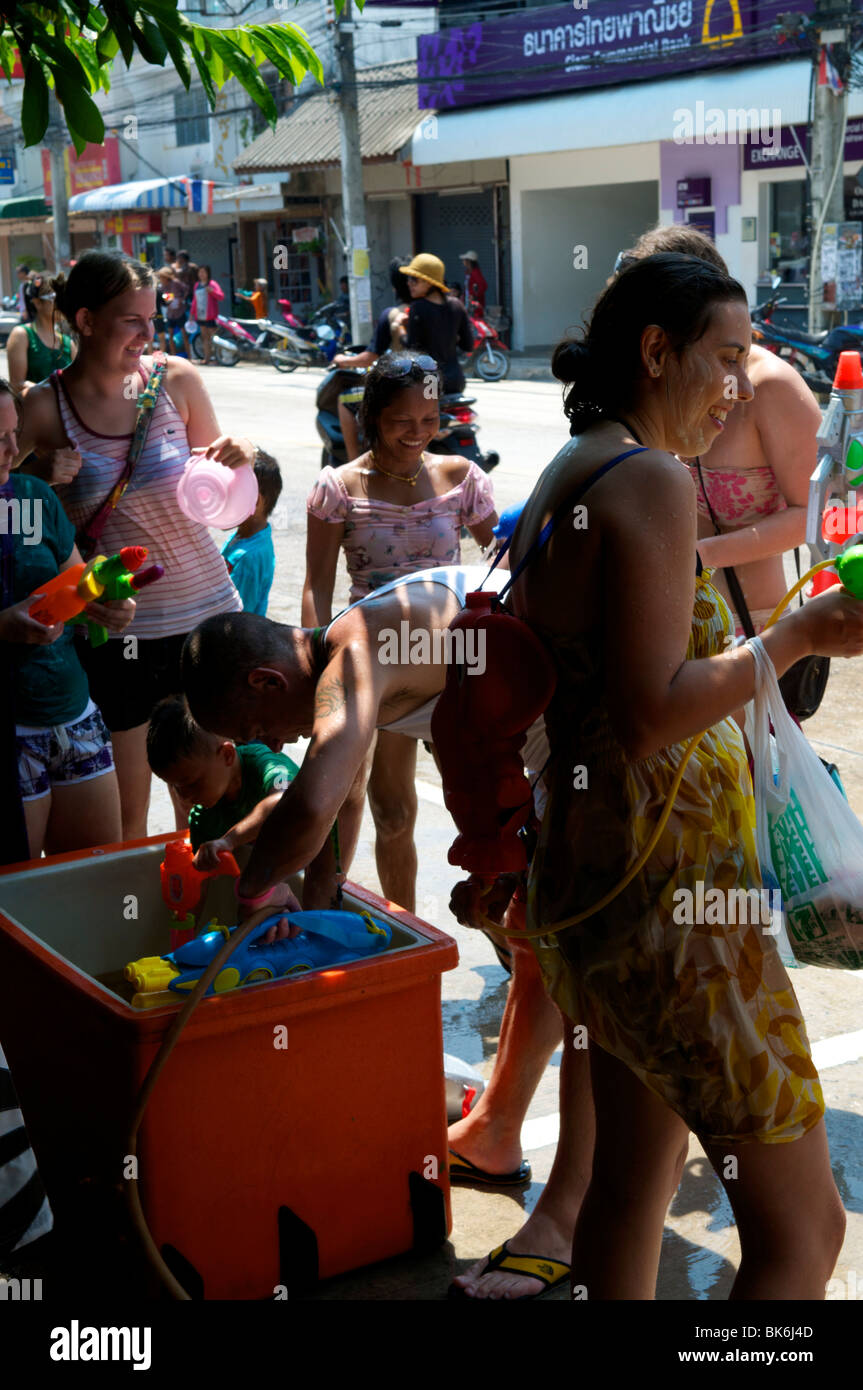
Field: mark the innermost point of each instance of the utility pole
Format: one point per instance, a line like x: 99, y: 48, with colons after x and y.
x: 353, y: 202
x: 56, y: 140
x: 827, y: 183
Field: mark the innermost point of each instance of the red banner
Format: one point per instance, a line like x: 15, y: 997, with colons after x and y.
x: 95, y: 167
x: 17, y: 70
x: 121, y: 222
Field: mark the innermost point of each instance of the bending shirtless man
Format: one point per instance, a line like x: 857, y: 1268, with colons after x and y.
x: 258, y: 681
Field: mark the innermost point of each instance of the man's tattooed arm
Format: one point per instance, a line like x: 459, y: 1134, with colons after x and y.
x: 329, y: 696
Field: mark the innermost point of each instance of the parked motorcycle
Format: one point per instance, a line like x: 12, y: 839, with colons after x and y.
x: 457, y: 434
x: 326, y: 333
x: 9, y: 317
x: 815, y: 355
x: 489, y: 356
x: 256, y: 340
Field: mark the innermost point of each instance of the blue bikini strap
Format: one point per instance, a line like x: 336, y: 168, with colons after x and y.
x: 564, y: 509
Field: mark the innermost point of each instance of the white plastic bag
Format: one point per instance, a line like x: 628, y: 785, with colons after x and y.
x: 808, y: 837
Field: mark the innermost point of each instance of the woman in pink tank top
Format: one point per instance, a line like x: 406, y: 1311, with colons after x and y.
x: 393, y: 510
x: 81, y: 421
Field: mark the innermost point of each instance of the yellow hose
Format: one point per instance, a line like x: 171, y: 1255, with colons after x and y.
x: 645, y: 854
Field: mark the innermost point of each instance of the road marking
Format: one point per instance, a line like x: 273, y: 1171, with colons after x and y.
x: 829, y: 1052
x: 427, y: 792
x: 835, y: 1052
x: 836, y: 747
x: 536, y: 1134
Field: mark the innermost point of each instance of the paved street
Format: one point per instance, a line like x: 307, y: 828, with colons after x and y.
x: 524, y: 421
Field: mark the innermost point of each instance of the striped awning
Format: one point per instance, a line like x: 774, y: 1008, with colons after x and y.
x: 195, y: 195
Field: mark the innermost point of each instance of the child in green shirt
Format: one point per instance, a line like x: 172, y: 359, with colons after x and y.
x: 230, y: 790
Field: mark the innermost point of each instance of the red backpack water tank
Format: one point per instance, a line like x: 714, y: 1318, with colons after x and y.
x: 500, y: 678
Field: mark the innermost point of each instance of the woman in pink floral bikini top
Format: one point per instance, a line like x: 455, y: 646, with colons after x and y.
x: 738, y: 498
x: 394, y: 510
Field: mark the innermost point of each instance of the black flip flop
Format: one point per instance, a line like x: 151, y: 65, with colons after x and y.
x: 463, y: 1173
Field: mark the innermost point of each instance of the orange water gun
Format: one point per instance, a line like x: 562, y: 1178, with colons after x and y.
x: 182, y: 884
x: 64, y: 598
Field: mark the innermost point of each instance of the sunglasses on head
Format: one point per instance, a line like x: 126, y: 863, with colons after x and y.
x: 623, y: 262
x: 405, y: 365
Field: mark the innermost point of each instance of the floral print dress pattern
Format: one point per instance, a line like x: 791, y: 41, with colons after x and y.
x: 704, y: 1015
x: 384, y: 540
x: 738, y: 496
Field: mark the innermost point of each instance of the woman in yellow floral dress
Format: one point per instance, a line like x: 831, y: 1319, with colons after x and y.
x: 692, y: 1025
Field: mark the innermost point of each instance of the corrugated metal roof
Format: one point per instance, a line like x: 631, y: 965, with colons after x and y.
x: 308, y: 137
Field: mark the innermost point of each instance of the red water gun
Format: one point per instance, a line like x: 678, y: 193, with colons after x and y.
x: 182, y: 884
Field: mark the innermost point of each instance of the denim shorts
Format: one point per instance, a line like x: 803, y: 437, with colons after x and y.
x: 62, y: 755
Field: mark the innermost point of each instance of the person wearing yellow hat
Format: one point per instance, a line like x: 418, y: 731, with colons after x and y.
x: 437, y: 322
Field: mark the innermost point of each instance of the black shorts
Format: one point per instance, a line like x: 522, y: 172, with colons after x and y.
x: 207, y: 323
x: 127, y: 688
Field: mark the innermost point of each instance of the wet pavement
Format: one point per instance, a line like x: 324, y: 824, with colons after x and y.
x: 523, y: 419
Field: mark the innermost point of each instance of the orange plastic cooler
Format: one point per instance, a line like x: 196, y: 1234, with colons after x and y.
x: 299, y: 1127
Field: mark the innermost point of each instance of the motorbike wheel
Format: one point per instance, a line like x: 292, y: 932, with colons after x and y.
x: 492, y: 364
x: 284, y: 360
x: 197, y: 347
x: 226, y: 357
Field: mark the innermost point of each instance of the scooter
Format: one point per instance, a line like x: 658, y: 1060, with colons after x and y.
x: 9, y: 317
x: 489, y: 356
x: 257, y: 340
x: 327, y: 330
x: 815, y: 355
x: 457, y: 433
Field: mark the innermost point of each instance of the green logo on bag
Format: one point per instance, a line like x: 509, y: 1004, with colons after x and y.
x: 795, y: 858
x: 805, y: 923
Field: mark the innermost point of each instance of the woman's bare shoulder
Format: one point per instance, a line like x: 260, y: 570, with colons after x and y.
x: 454, y: 468
x: 40, y: 402
x: 177, y: 368
x: 352, y: 477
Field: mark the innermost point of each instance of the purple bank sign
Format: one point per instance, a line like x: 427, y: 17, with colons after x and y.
x: 787, y: 147
x: 594, y: 43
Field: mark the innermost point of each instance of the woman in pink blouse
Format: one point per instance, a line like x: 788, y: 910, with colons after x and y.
x: 205, y: 307
x: 394, y: 510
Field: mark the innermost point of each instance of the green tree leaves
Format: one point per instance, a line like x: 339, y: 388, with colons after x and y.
x: 70, y: 45
x: 34, y: 109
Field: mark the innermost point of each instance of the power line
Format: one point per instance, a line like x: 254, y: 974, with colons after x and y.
x: 498, y: 78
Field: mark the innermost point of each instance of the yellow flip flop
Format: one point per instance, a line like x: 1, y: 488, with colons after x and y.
x: 552, y: 1273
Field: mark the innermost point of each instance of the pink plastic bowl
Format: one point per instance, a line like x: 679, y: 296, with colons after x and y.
x: 214, y: 495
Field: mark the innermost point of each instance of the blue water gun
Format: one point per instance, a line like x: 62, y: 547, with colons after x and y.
x: 326, y: 938
x: 508, y: 520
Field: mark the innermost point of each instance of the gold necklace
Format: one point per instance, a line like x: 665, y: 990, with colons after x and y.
x: 412, y: 481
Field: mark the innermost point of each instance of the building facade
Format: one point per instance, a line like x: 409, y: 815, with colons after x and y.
x: 617, y: 115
